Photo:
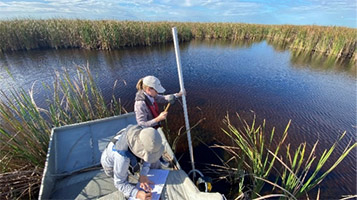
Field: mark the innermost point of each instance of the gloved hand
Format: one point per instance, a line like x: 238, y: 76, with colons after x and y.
x: 171, y: 99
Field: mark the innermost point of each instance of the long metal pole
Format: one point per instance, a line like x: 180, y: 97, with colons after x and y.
x: 182, y: 87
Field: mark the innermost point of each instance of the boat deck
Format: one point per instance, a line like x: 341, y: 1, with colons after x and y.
x: 94, y: 184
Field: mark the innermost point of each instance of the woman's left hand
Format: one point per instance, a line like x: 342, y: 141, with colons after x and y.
x: 145, y: 183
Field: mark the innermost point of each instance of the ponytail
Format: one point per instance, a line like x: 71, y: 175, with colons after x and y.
x: 139, y: 85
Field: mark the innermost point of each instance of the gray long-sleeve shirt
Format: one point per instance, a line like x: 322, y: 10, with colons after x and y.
x: 143, y: 114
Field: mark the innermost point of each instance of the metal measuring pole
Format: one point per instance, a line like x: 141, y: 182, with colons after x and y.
x: 182, y: 89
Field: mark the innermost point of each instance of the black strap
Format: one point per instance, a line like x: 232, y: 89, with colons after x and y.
x: 113, y: 140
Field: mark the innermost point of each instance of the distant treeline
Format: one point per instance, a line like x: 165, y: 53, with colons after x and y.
x: 26, y: 34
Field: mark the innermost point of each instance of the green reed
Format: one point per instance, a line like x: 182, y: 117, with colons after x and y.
x: 26, y: 34
x: 252, y: 142
x: 296, y: 173
x: 79, y: 100
x: 25, y: 128
x: 298, y: 177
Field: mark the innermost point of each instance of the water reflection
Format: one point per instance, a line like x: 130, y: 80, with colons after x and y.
x: 315, y: 60
x: 224, y: 43
x: 320, y: 62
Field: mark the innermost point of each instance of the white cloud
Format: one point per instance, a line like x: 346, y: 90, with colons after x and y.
x: 61, y: 8
x: 187, y: 3
x: 327, y: 6
x: 238, y: 8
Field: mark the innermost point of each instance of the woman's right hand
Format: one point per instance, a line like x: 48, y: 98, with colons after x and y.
x: 161, y: 117
x: 143, y: 195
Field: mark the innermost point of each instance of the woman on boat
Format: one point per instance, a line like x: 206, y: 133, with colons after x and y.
x: 147, y: 97
x: 122, y: 154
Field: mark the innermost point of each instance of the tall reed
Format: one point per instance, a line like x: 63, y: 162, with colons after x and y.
x: 298, y: 176
x: 252, y: 143
x: 26, y: 34
x: 295, y: 173
x: 25, y: 128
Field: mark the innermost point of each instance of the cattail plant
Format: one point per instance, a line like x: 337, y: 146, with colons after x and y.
x: 25, y: 128
x: 290, y: 174
x: 26, y: 34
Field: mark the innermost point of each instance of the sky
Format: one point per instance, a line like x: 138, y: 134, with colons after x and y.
x: 297, y: 12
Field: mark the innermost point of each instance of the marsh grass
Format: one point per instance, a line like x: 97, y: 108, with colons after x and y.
x: 25, y: 128
x: 22, y: 183
x: 296, y: 172
x: 26, y: 34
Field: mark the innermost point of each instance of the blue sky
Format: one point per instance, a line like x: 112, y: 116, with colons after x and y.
x: 298, y: 12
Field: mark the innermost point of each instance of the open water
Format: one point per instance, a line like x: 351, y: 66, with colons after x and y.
x: 221, y: 78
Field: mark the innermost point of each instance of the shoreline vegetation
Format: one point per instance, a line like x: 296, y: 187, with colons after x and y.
x: 26, y: 34
x: 25, y: 128
x: 25, y: 131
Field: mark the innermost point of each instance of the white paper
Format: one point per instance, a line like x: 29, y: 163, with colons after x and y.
x: 158, y: 176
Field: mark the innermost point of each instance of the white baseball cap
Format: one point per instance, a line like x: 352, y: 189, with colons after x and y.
x: 153, y: 82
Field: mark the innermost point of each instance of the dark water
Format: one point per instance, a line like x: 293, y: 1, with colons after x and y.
x: 221, y: 78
